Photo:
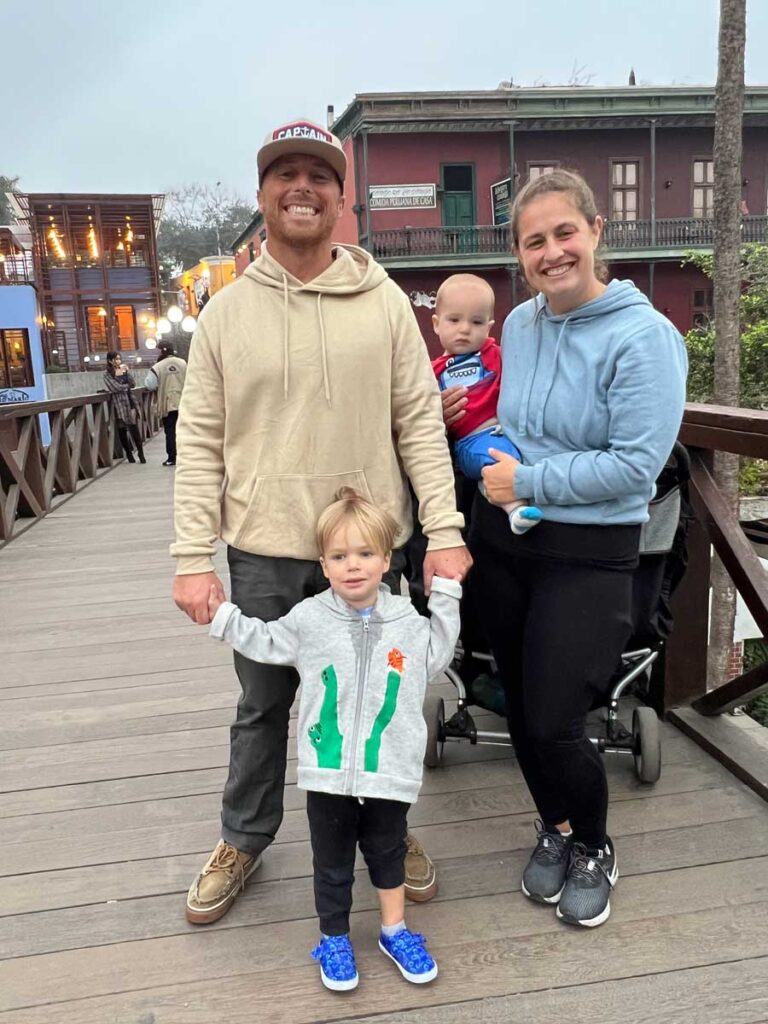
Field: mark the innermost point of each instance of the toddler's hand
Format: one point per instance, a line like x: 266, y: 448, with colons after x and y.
x: 215, y: 600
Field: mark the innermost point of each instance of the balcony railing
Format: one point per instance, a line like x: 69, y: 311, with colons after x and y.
x: 667, y: 233
x: 16, y: 267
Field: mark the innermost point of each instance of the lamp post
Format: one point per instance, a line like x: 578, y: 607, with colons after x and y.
x: 176, y: 327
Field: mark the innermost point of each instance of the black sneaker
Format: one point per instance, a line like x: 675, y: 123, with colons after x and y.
x: 544, y: 875
x: 591, y: 876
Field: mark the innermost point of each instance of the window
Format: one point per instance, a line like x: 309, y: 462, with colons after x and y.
x: 703, y: 188
x: 15, y: 359
x: 625, y: 176
x: 125, y: 327
x: 96, y: 322
x: 458, y: 178
x: 536, y: 170
x: 702, y: 308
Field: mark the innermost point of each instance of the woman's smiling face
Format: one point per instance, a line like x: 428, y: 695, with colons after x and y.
x: 556, y: 248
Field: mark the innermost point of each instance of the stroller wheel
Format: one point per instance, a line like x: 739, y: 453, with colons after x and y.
x: 434, y: 716
x: 646, y: 744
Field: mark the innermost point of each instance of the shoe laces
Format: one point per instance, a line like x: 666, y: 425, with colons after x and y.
x: 587, y: 867
x: 409, y: 948
x: 412, y: 845
x: 550, y: 846
x: 225, y: 857
x: 336, y: 955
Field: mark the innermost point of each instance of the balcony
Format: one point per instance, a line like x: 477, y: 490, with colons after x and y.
x: 491, y: 244
x: 15, y: 259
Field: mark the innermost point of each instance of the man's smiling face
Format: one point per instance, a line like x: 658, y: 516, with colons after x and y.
x: 300, y: 199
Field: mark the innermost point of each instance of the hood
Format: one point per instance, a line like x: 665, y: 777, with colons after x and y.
x: 389, y: 606
x: 617, y: 296
x: 353, y: 270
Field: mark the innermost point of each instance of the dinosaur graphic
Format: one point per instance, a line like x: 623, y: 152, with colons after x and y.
x: 324, y: 735
x: 395, y: 660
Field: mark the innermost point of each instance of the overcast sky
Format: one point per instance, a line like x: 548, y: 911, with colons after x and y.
x: 144, y: 96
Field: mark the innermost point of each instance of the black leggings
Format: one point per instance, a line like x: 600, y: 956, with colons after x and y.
x: 336, y: 825
x: 126, y: 431
x: 556, y: 610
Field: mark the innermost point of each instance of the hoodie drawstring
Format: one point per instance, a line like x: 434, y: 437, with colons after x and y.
x: 323, y: 350
x: 547, y: 391
x: 286, y: 347
x: 285, y: 337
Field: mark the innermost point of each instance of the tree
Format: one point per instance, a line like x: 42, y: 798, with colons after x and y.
x: 729, y: 106
x: 199, y: 220
x: 7, y: 185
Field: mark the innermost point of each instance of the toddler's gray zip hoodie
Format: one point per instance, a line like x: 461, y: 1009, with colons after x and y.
x: 361, y: 730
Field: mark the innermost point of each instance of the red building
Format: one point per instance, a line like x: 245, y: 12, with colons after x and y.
x: 432, y: 175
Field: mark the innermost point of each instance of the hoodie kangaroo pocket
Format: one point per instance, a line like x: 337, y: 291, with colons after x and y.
x: 283, y: 511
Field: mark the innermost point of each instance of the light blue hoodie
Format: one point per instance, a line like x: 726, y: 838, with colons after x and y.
x: 593, y: 399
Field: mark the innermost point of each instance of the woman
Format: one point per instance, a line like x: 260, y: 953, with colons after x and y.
x: 119, y: 382
x: 592, y: 393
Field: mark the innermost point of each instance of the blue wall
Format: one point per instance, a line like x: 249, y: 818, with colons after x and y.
x: 19, y: 310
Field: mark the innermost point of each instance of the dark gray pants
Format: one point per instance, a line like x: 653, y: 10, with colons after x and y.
x: 252, y: 806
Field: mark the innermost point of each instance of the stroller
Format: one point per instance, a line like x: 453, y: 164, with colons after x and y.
x: 663, y: 559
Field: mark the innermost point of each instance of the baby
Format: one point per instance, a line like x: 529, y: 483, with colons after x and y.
x: 462, y: 321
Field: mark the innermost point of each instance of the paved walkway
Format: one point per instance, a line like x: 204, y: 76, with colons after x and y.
x: 113, y: 751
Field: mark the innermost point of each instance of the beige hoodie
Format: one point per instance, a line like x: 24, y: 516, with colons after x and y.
x: 294, y: 390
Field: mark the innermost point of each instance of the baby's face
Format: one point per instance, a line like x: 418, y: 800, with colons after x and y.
x: 463, y: 321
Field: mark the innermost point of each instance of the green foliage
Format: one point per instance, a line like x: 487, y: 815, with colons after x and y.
x: 755, y: 653
x: 198, y: 221
x: 754, y: 332
x: 700, y: 343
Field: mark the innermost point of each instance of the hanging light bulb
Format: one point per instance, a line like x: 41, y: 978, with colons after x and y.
x: 164, y: 325
x: 188, y: 324
x: 174, y: 314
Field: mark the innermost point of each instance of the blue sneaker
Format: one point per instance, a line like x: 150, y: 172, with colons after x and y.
x: 338, y: 969
x: 408, y: 951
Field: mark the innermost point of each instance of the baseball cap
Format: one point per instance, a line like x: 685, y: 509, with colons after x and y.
x: 302, y: 137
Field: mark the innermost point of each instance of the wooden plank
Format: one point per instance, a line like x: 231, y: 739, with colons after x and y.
x: 487, y: 806
x: 117, y: 814
x: 128, y: 919
x: 663, y: 850
x: 520, y: 946
x: 732, y: 992
x: 741, y: 751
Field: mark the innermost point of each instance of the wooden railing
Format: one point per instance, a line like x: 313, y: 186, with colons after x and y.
x: 707, y: 429
x: 35, y: 478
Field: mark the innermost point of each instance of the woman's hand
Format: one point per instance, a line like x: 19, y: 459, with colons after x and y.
x: 454, y: 399
x: 499, y: 479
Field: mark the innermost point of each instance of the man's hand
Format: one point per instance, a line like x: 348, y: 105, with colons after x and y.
x: 450, y: 563
x: 215, y: 600
x: 191, y: 594
x: 454, y: 399
x: 499, y: 479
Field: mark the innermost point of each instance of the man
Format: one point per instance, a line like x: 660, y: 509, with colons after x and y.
x: 306, y: 374
x: 169, y: 373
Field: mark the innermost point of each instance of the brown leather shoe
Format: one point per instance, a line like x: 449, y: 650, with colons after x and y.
x: 214, y: 890
x: 420, y: 876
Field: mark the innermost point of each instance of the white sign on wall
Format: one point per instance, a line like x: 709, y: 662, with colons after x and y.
x: 402, y: 197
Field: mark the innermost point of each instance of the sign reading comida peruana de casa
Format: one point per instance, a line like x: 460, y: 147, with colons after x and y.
x: 401, y: 197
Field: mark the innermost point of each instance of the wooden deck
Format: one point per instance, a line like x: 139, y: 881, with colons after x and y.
x: 113, y: 725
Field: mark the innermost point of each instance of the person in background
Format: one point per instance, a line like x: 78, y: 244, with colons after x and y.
x: 119, y: 382
x: 169, y: 373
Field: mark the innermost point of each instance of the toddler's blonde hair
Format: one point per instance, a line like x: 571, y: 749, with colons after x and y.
x: 377, y: 527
